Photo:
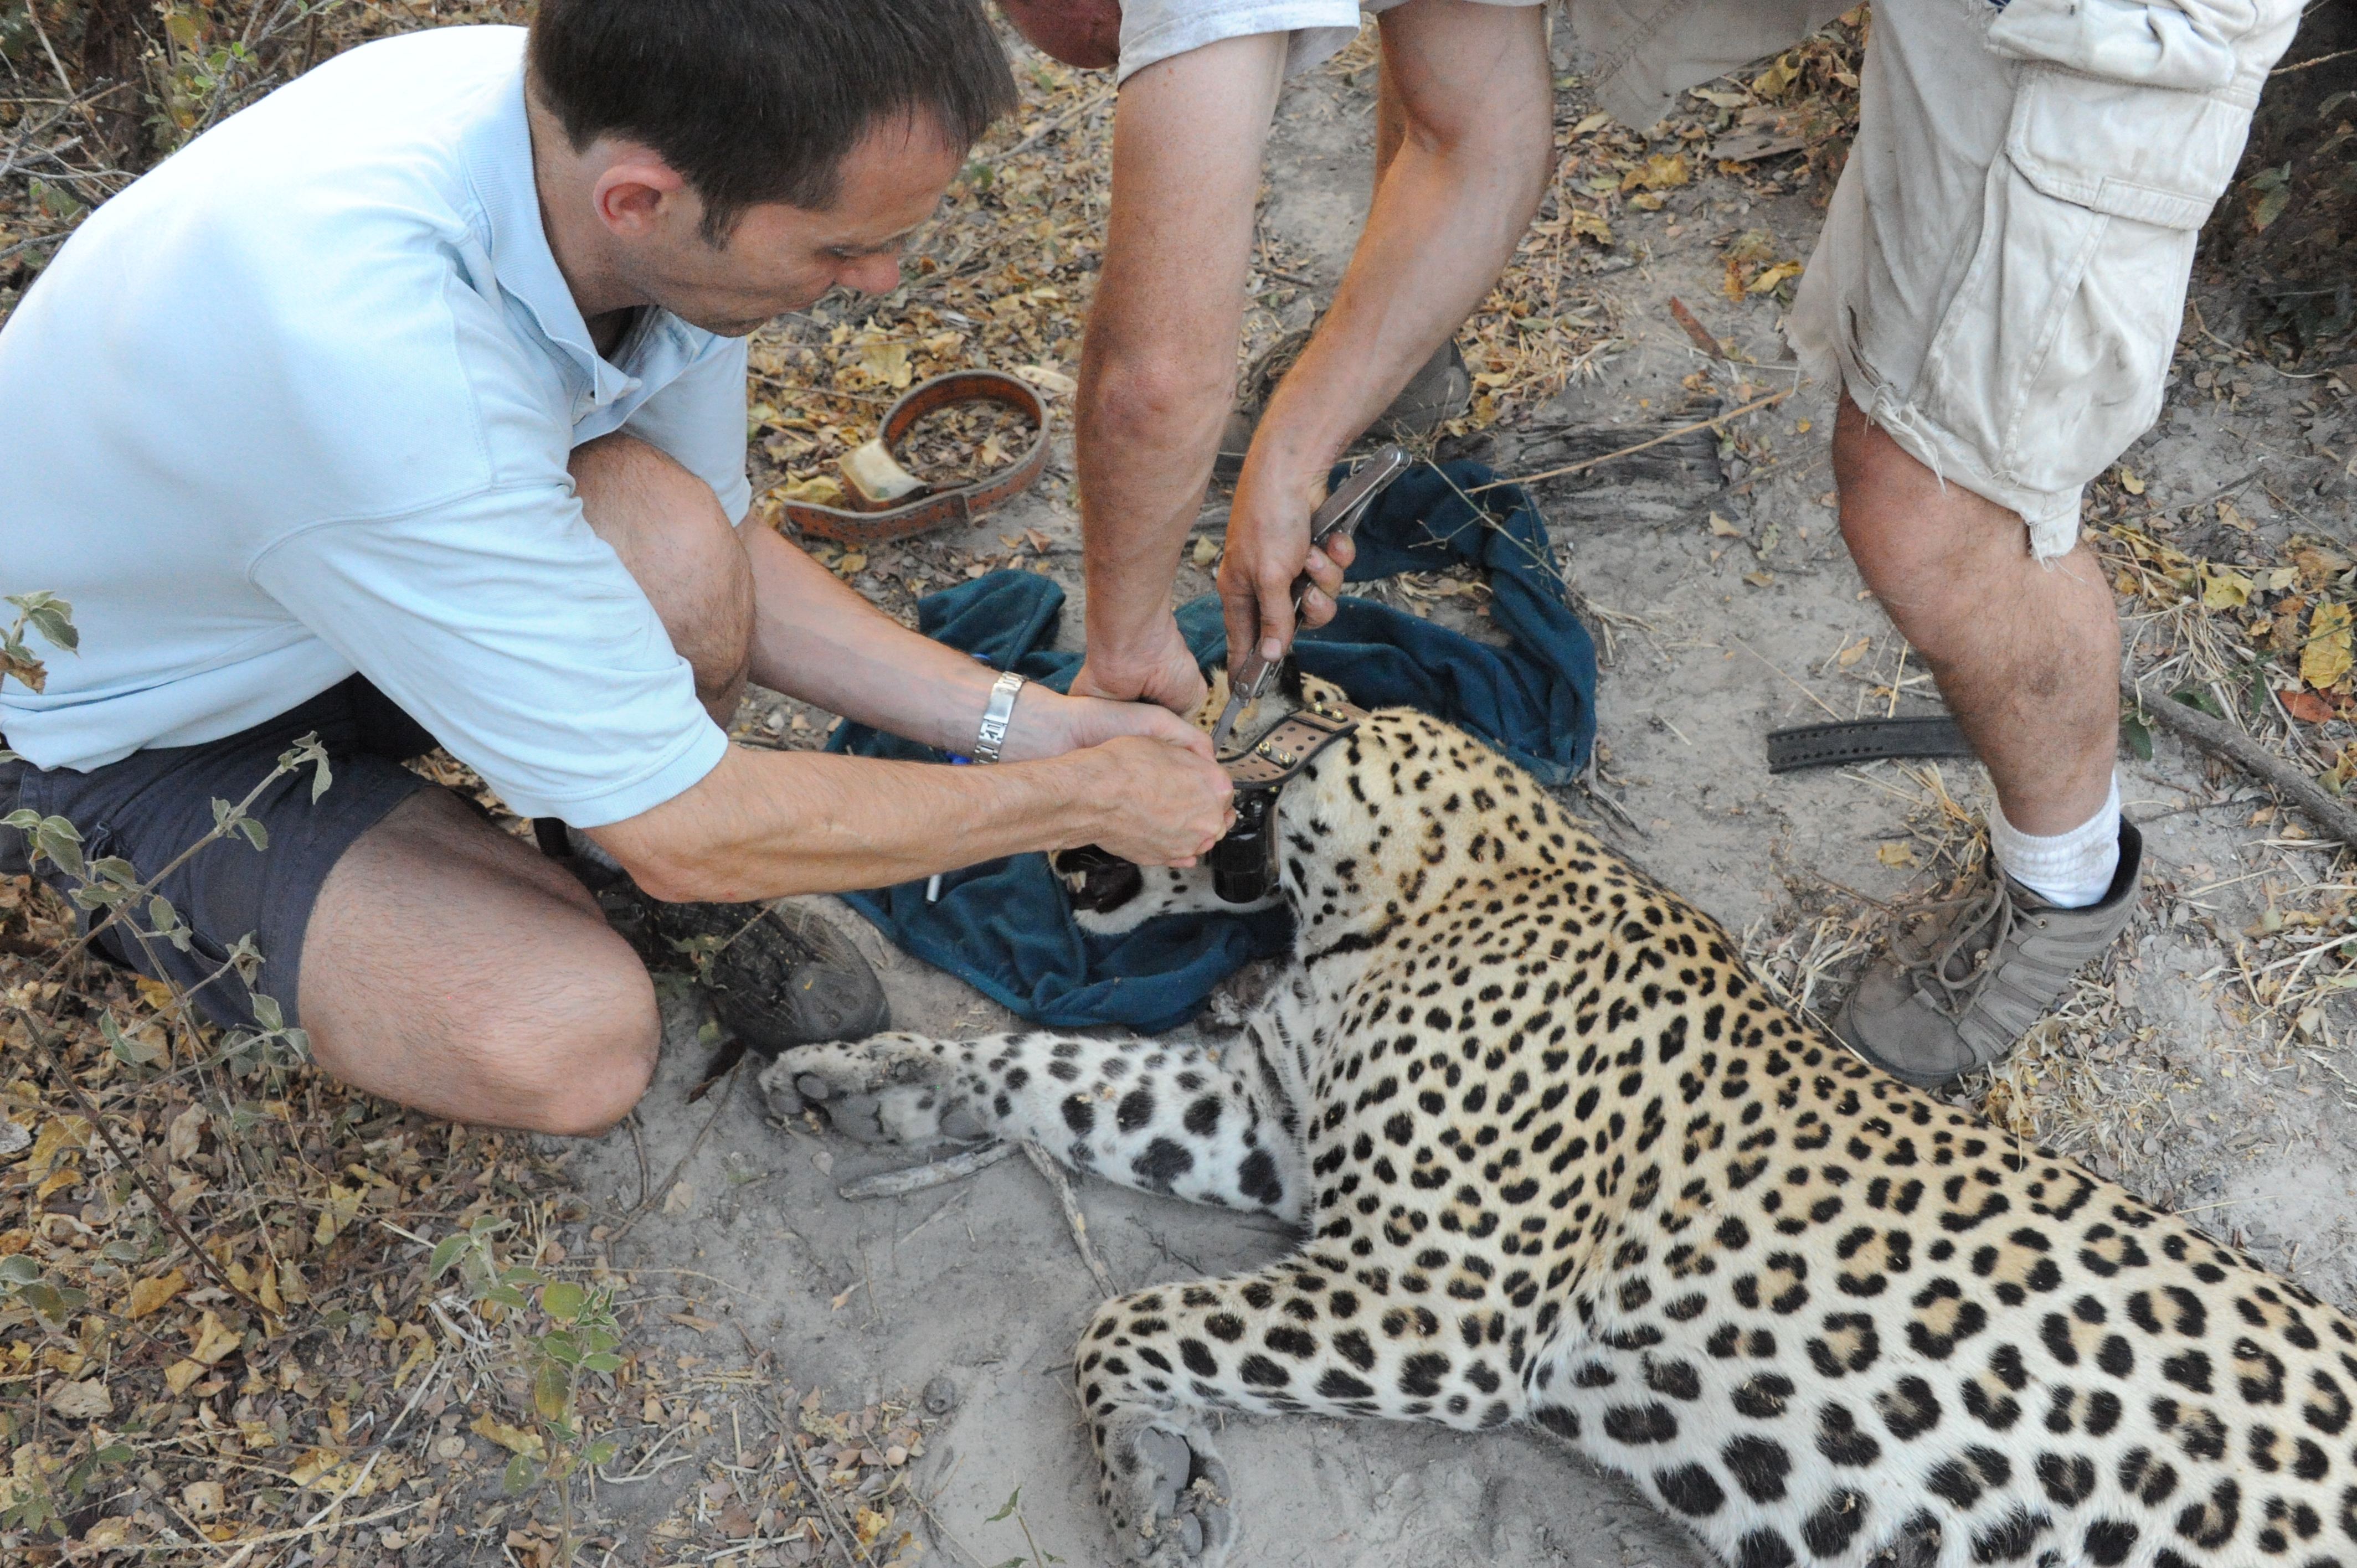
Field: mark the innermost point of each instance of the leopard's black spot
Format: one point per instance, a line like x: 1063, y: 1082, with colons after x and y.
x: 1691, y: 1490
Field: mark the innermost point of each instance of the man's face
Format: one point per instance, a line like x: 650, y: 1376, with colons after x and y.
x: 1086, y: 33
x: 782, y: 258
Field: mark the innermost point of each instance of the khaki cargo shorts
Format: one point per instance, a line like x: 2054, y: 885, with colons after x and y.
x: 2001, y: 277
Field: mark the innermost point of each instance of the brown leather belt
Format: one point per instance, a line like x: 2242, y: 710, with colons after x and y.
x: 927, y: 506
x: 1291, y: 745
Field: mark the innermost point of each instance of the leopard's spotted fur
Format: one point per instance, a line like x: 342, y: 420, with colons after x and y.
x: 1565, y: 1162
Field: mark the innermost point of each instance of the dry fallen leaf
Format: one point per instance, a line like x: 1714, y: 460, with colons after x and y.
x: 1759, y: 579
x: 82, y: 1402
x: 203, y: 1499
x: 1724, y: 529
x: 2326, y: 657
x: 150, y: 1294
x: 1047, y: 381
x: 1896, y: 855
x: 2130, y: 483
x: 689, y: 1320
x: 678, y: 1199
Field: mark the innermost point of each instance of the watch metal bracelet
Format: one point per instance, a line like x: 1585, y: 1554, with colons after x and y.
x: 992, y: 737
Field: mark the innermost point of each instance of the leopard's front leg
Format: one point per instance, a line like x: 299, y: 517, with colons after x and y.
x: 1179, y: 1120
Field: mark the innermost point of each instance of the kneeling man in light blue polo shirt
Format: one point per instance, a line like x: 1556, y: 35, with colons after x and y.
x: 408, y: 406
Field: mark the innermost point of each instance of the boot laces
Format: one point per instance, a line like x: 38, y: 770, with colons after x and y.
x: 1974, y: 940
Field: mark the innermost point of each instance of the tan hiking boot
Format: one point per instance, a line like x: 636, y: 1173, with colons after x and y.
x: 1957, y: 999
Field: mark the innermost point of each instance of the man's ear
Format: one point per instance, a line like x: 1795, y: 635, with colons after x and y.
x: 632, y: 192
x: 1085, y: 33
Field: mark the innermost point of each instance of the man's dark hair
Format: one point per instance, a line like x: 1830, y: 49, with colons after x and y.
x: 759, y: 100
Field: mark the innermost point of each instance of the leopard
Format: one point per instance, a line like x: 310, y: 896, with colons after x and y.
x: 1555, y: 1155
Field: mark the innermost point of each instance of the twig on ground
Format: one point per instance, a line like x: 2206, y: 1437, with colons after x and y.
x: 917, y: 1179
x: 1044, y: 1163
x: 2221, y: 739
x: 1076, y: 111
x: 1752, y: 407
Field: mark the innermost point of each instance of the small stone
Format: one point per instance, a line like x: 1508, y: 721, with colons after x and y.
x: 896, y: 1455
x: 941, y: 1396
x: 449, y: 1448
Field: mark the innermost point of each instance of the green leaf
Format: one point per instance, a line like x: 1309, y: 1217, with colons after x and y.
x: 2136, y: 737
x: 445, y: 1252
x: 601, y: 1451
x: 138, y: 1053
x: 115, y: 869
x: 2200, y: 698
x: 255, y: 833
x: 552, y: 1390
x: 61, y: 842
x: 562, y: 1301
x: 161, y: 915
x: 114, y: 1454
x: 23, y: 821
x: 506, y: 1295
x: 1013, y: 1498
x: 604, y: 1361
x: 521, y: 1276
x: 519, y: 1475
x: 19, y: 1270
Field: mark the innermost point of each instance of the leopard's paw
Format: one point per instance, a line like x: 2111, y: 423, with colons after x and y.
x: 887, y: 1088
x: 1168, y: 1495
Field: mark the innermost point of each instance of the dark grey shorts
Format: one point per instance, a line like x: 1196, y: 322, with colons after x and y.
x: 153, y: 804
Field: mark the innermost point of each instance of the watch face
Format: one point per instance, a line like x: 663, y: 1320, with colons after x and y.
x: 1085, y: 33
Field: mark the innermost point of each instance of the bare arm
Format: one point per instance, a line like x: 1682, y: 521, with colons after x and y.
x: 764, y: 825
x: 1131, y: 777
x: 1159, y: 363
x: 1468, y: 96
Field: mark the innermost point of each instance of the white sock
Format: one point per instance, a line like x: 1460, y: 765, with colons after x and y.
x: 2069, y: 871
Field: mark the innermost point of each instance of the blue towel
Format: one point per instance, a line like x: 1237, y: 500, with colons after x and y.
x: 1004, y: 926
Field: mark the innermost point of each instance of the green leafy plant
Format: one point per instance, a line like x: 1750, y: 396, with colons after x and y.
x: 47, y: 614
x: 1014, y: 1505
x: 572, y: 1332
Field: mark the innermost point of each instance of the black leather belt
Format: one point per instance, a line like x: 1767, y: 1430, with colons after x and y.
x: 1864, y: 740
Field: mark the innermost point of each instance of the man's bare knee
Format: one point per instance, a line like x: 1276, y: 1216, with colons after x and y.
x: 575, y: 1065
x: 679, y: 546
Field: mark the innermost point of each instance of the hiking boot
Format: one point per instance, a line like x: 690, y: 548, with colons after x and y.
x: 1929, y: 1012
x: 779, y: 975
x: 1433, y: 396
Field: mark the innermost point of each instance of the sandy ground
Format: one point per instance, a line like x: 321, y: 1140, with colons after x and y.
x: 1718, y: 632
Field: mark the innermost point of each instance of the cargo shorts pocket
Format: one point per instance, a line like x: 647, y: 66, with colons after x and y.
x: 2053, y: 355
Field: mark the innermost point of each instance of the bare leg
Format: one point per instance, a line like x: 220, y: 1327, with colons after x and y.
x: 669, y: 529
x: 449, y: 966
x: 2025, y: 652
x: 452, y: 968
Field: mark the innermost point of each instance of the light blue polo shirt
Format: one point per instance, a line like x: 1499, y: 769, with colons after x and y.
x: 298, y: 404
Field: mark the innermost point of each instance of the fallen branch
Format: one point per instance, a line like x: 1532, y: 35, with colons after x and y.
x: 1044, y: 1163
x: 1752, y: 407
x: 2336, y: 817
x: 917, y: 1179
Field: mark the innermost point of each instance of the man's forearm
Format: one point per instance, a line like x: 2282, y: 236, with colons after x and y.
x: 815, y: 638
x: 1467, y: 121
x: 766, y: 824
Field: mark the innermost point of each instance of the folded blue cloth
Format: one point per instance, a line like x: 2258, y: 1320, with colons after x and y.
x: 1004, y: 926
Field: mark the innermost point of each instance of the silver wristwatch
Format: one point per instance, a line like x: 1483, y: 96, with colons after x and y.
x: 992, y: 737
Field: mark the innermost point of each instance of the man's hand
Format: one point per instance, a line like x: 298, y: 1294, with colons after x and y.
x: 1048, y: 725
x: 1268, y: 551
x: 1166, y: 673
x: 1161, y: 804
